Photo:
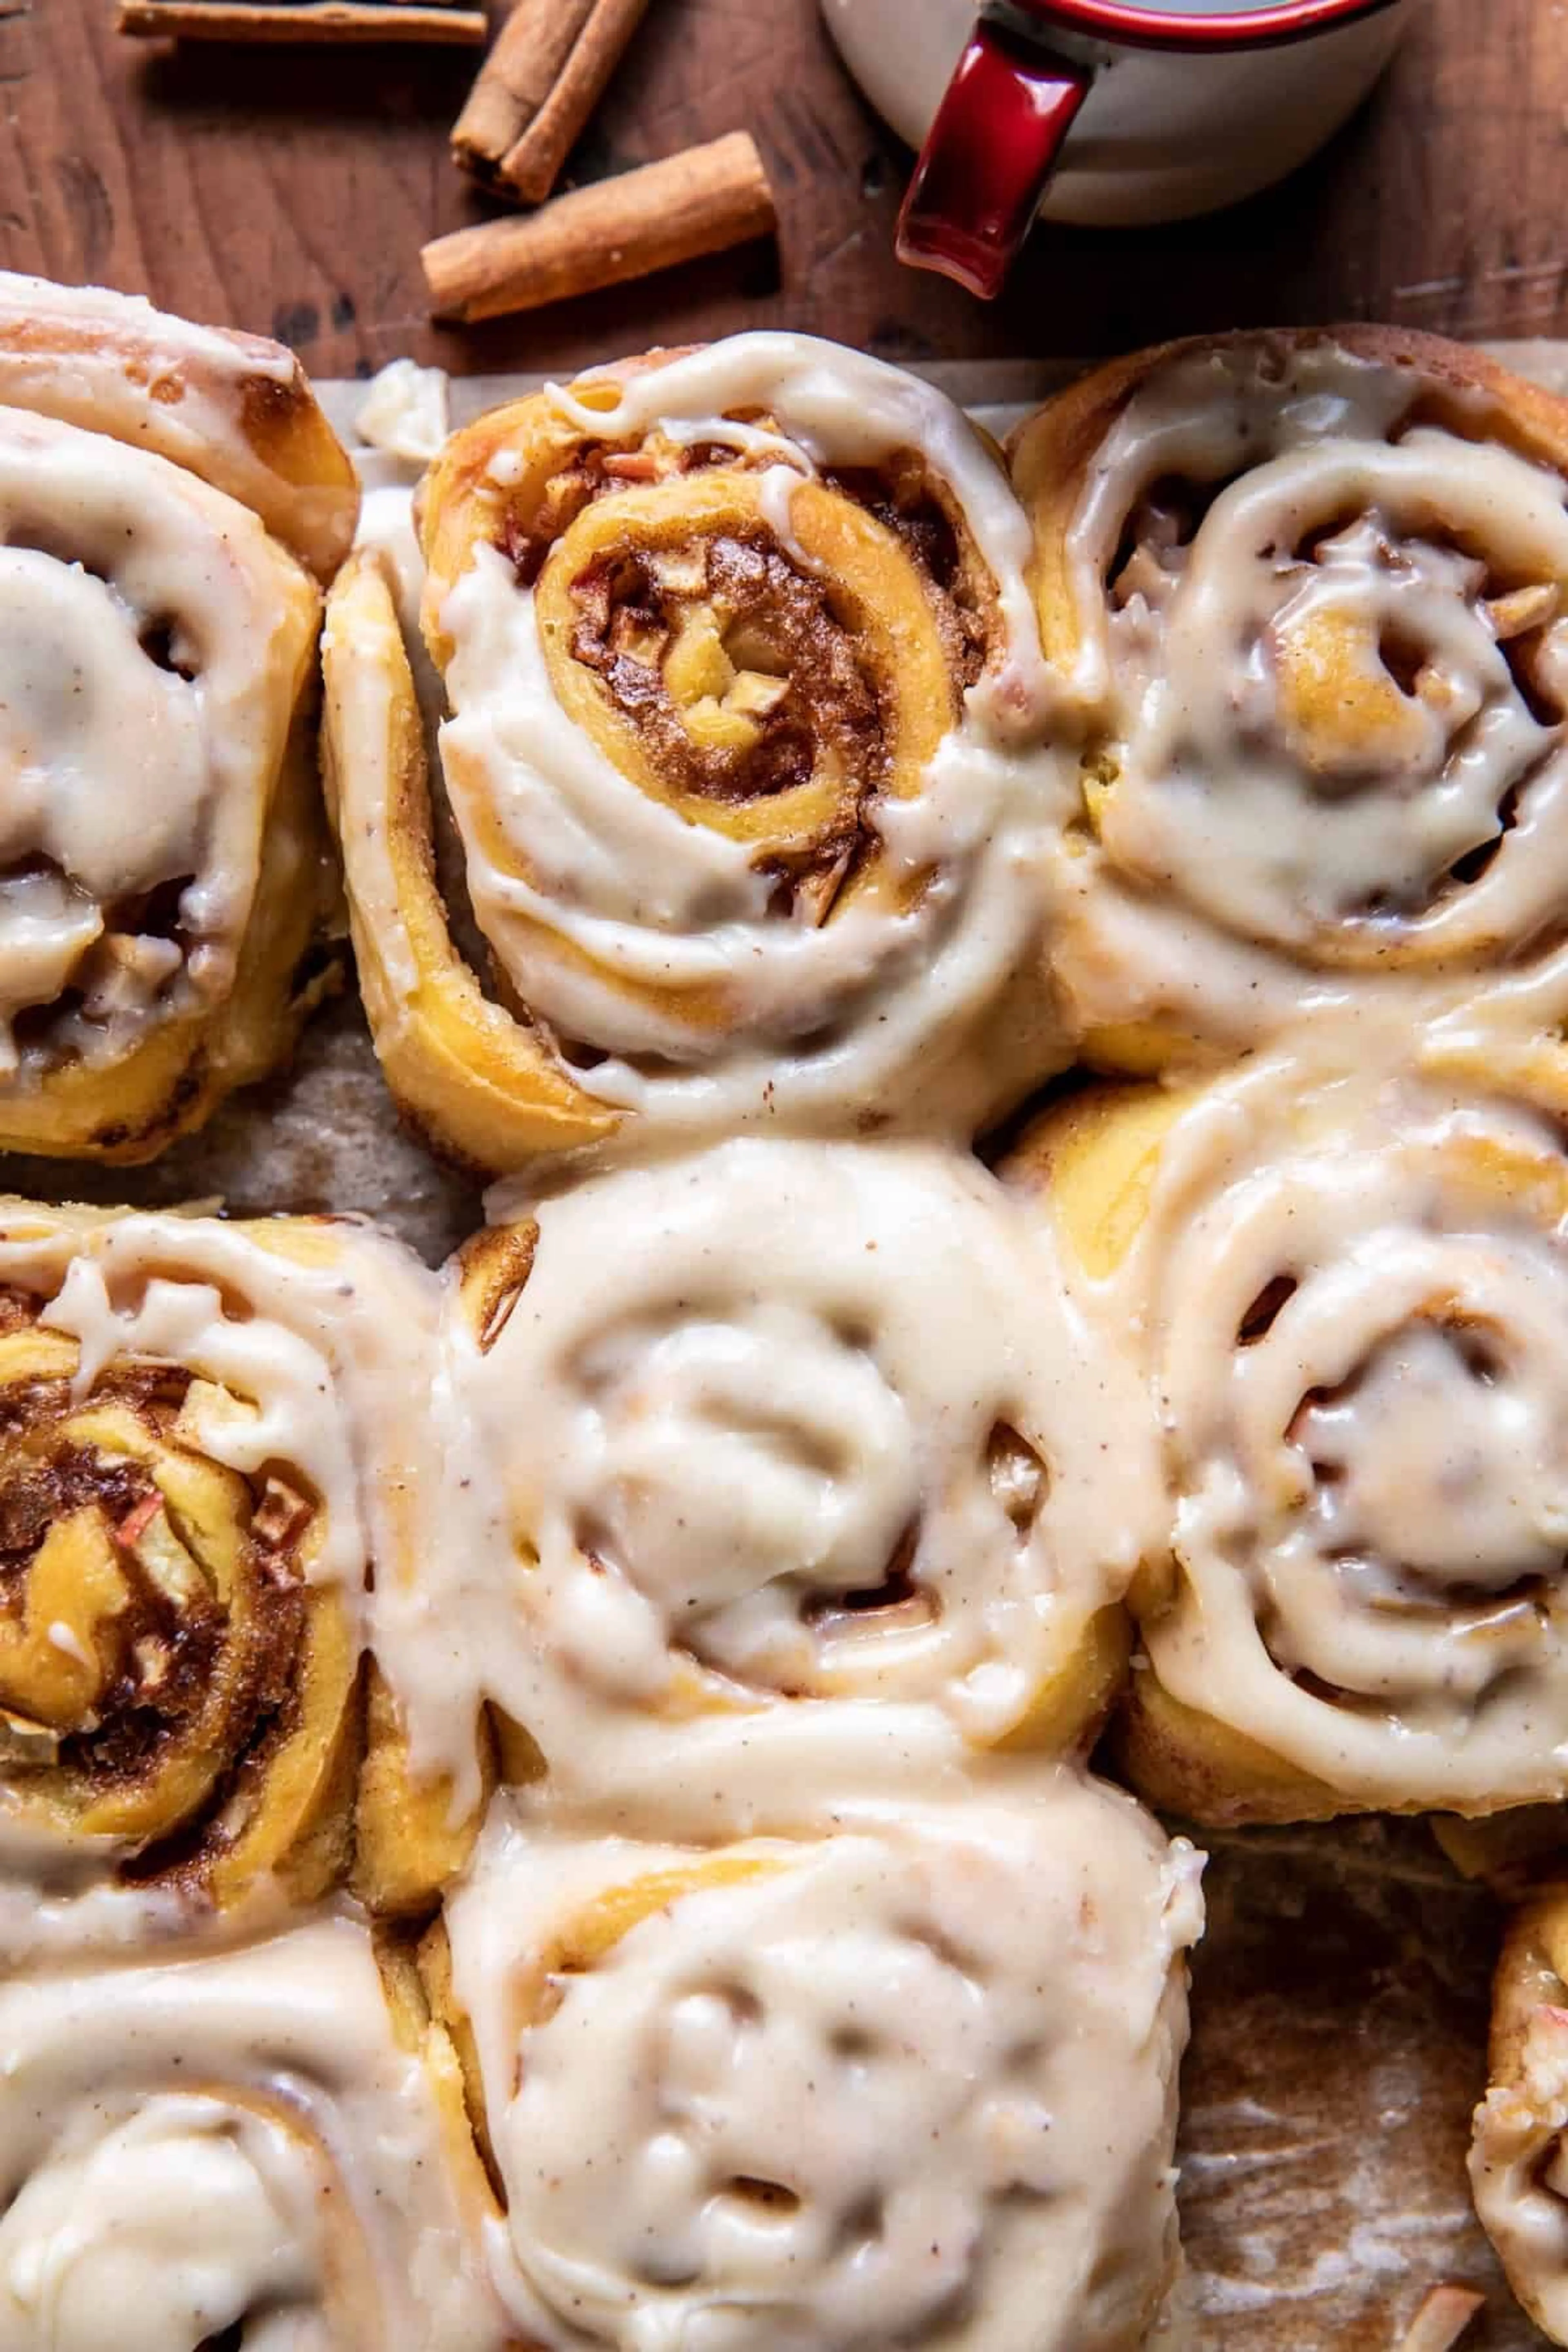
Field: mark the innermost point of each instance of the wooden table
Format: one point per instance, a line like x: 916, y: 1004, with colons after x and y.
x: 289, y: 191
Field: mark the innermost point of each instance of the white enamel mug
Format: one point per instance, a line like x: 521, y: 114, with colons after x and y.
x: 1110, y: 112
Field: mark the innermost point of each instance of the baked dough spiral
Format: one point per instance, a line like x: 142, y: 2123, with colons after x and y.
x: 755, y: 1437
x: 908, y: 2082
x: 1519, y: 2153
x: 239, y: 2151
x: 741, y: 666
x: 163, y: 877
x: 187, y: 1515
x: 236, y: 410
x: 1313, y: 589
x: 1355, y: 1292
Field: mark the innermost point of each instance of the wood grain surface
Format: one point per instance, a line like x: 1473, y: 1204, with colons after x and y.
x: 290, y: 191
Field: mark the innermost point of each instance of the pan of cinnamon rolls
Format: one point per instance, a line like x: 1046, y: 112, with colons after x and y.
x: 636, y: 1788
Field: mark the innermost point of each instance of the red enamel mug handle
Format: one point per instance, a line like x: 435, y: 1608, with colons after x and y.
x: 987, y: 157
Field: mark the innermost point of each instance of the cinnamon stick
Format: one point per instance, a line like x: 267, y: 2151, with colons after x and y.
x: 699, y: 201
x: 315, y: 21
x: 537, y: 89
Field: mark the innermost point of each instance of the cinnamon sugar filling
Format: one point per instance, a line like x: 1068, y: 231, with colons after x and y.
x: 158, y: 1651
x: 734, y: 667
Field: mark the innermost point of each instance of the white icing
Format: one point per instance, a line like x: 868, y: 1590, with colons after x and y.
x: 736, y: 1392
x: 221, y: 2141
x: 911, y: 2081
x: 313, y: 1365
x: 1518, y: 2174
x: 1370, y: 1494
x: 403, y: 411
x: 121, y: 773
x: 821, y: 1017
x: 1312, y: 718
x: 621, y: 922
x: 775, y: 493
x: 317, y: 1356
x: 386, y: 527
x: 195, y: 394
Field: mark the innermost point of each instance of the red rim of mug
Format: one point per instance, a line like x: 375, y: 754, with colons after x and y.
x: 1272, y: 21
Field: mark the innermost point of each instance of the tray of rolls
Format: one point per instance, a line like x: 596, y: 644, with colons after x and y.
x: 783, y: 1407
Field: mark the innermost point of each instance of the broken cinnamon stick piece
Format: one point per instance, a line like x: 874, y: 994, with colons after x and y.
x: 527, y: 61
x: 540, y: 84
x: 699, y: 201
x: 316, y: 21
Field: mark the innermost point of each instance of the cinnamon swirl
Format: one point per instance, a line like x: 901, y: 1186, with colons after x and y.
x: 746, y: 701
x: 1519, y: 2155
x: 1355, y: 1294
x: 163, y: 878
x: 909, y: 2080
x: 1311, y: 588
x: 770, y: 1449
x: 191, y: 1497
x: 248, y: 2150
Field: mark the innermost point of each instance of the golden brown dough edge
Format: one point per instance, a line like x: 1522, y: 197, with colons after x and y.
x: 1049, y: 453
x: 235, y: 409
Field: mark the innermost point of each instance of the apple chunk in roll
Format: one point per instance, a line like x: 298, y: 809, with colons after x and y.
x: 777, y: 1434
x: 1354, y: 1291
x: 248, y: 2150
x: 189, y: 1506
x: 164, y: 883
x: 908, y: 2081
x: 746, y: 698
x: 1313, y: 588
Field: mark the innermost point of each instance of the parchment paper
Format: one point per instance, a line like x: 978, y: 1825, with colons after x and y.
x: 1339, y: 1999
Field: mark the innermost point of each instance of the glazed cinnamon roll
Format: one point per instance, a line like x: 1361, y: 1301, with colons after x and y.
x: 778, y: 1438
x: 1519, y: 2154
x: 911, y: 2081
x: 236, y: 410
x: 163, y: 877
x: 740, y: 663
x: 1355, y: 1292
x: 248, y: 2150
x: 191, y: 1497
x: 1313, y: 590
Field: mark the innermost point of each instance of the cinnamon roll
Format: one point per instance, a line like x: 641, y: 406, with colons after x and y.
x: 1354, y: 1287
x: 191, y: 1496
x: 248, y: 2150
x: 1313, y: 590
x: 1519, y: 2154
x: 909, y: 2081
x: 164, y: 871
x: 757, y: 1441
x: 236, y: 410
x: 742, y: 674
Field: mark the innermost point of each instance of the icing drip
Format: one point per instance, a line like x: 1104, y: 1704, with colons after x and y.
x: 404, y: 411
